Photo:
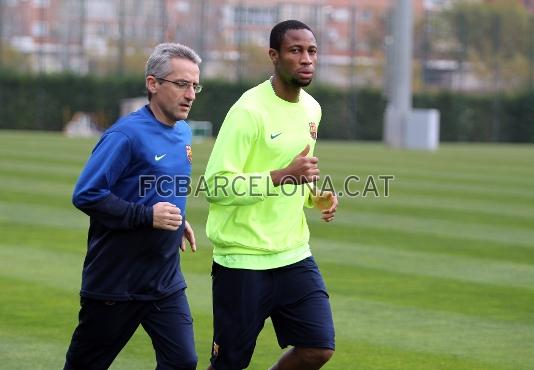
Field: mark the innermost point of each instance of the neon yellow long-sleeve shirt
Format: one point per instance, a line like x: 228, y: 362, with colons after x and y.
x: 251, y: 223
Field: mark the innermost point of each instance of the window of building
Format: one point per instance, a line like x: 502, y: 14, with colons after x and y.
x: 39, y: 29
x: 341, y: 15
x: 254, y: 15
x: 41, y: 3
x: 182, y: 6
x: 302, y: 12
x: 366, y: 15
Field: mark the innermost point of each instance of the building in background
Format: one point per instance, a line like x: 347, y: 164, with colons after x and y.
x: 232, y: 36
x: 116, y: 36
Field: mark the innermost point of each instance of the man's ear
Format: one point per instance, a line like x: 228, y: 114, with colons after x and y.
x: 151, y: 84
x: 273, y: 54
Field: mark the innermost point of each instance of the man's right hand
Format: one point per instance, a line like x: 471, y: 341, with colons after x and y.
x: 301, y: 170
x: 166, y: 216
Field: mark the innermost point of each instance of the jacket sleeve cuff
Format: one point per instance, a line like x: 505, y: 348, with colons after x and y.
x: 148, y: 216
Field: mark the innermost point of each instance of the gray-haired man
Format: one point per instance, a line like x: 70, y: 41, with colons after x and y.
x: 131, y: 273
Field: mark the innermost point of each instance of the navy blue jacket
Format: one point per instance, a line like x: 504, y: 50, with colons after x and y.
x: 137, y: 163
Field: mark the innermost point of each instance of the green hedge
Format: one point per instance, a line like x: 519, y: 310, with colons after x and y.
x: 502, y: 118
x: 46, y: 102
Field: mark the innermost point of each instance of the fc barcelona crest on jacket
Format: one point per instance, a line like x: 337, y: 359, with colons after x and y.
x: 313, y: 130
x: 189, y: 153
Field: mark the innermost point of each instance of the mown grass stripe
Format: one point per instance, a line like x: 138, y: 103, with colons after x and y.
x: 18, y: 351
x: 62, y: 201
x: 35, y: 186
x: 468, y: 269
x: 486, y: 217
x: 23, y: 166
x: 26, y: 331
x: 443, y: 213
x: 428, y: 226
x: 354, y: 188
x: 362, y: 188
x: 62, y: 271
x: 53, y: 239
x: 437, y: 186
x: 47, y: 176
x: 43, y: 215
x: 407, y: 240
x: 434, y: 332
x: 437, y: 203
x: 448, y: 155
x: 445, y: 195
x: 53, y: 157
x: 485, y: 301
x: 363, y: 355
x: 416, y: 169
x: 48, y: 269
x: 389, y: 165
x: 444, y: 175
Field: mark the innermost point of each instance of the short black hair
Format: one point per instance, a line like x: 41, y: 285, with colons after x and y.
x: 278, y: 32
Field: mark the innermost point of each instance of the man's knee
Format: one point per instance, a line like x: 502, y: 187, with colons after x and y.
x: 191, y: 365
x: 188, y: 366
x: 188, y: 362
x: 315, y: 357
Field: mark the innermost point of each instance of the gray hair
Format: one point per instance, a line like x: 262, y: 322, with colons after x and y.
x: 158, y: 65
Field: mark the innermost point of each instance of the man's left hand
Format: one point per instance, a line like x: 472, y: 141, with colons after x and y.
x: 189, y: 235
x: 327, y: 202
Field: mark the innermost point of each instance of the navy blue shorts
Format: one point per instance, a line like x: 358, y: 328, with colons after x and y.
x: 106, y: 326
x: 293, y: 296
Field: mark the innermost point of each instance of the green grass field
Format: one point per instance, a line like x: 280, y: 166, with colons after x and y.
x: 439, y: 275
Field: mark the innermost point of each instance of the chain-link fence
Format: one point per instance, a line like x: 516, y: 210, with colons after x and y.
x: 459, y: 45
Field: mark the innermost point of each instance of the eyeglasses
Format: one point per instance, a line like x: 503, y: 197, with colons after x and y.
x: 183, y: 85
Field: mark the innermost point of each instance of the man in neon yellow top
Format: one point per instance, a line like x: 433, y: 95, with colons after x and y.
x: 259, y: 177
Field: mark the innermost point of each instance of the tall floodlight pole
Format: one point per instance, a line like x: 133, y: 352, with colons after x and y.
x: 44, y: 34
x: 203, y: 32
x: 163, y: 20
x: 41, y: 93
x: 531, y: 53
x: 400, y: 73
x: 1, y: 31
x: 65, y: 33
x: 122, y: 36
x: 81, y: 40
x: 240, y: 34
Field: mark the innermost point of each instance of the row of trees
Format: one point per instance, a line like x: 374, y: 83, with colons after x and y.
x: 493, y: 40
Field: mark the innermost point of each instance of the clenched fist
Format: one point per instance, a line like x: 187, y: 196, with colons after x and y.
x: 166, y: 216
x: 301, y: 170
x: 327, y: 202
